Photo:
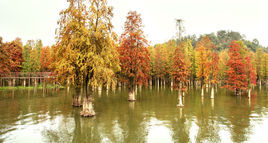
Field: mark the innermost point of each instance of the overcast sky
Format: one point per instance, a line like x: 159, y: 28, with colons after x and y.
x: 37, y: 19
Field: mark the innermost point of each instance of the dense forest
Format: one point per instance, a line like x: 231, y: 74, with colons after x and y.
x: 89, y: 54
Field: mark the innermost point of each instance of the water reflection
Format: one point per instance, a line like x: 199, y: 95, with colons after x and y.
x: 48, y: 116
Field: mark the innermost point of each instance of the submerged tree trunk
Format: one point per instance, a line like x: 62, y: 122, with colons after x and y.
x: 249, y: 93
x: 260, y: 83
x: 77, y: 98
x: 236, y: 91
x: 164, y: 83
x: 179, y: 99
x: 88, y: 110
x: 99, y: 90
x: 24, y: 82
x: 131, y: 94
x: 171, y: 84
x: 158, y: 83
x: 202, y: 91
x: 140, y: 87
x: 212, y: 92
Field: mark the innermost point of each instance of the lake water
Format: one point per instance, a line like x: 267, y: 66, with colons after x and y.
x: 48, y: 116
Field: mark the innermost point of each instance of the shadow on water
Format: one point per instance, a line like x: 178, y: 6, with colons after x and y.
x: 48, y: 116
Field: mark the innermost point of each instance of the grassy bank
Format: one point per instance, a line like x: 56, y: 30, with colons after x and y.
x: 49, y: 86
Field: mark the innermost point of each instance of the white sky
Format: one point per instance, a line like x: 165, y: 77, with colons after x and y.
x: 37, y: 19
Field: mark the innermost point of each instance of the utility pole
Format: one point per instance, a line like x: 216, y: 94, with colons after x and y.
x: 180, y: 29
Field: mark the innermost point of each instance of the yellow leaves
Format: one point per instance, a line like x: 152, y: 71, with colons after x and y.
x: 86, y: 45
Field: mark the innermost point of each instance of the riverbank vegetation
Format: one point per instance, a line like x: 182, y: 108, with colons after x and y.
x: 89, y: 56
x: 48, y: 86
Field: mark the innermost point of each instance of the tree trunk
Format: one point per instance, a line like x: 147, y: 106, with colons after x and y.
x: 14, y: 82
x: 77, y: 98
x: 202, y: 91
x: 107, y: 89
x: 136, y: 89
x: 131, y: 94
x: 99, y: 90
x: 260, y: 83
x: 88, y: 110
x: 236, y: 91
x: 24, y: 82
x: 179, y: 99
x: 35, y: 82
x: 164, y: 83
x: 158, y: 83
x: 212, y: 92
x: 249, y: 93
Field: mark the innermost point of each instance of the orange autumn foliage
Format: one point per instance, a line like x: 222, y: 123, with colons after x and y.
x: 133, y: 50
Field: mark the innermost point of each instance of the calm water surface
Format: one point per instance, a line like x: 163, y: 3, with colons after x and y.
x: 38, y: 116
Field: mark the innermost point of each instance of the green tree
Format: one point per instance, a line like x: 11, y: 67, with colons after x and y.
x: 259, y: 56
x: 26, y: 64
x: 35, y: 55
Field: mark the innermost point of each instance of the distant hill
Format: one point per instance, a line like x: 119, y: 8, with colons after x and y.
x: 222, y: 40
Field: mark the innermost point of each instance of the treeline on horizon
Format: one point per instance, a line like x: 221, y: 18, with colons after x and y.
x: 34, y: 57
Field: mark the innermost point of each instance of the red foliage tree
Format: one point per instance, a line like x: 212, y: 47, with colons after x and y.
x: 4, y: 59
x: 158, y: 64
x: 180, y: 70
x: 214, y: 68
x: 236, y: 73
x: 45, y: 59
x: 134, y: 54
x: 250, y: 72
x: 14, y: 51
